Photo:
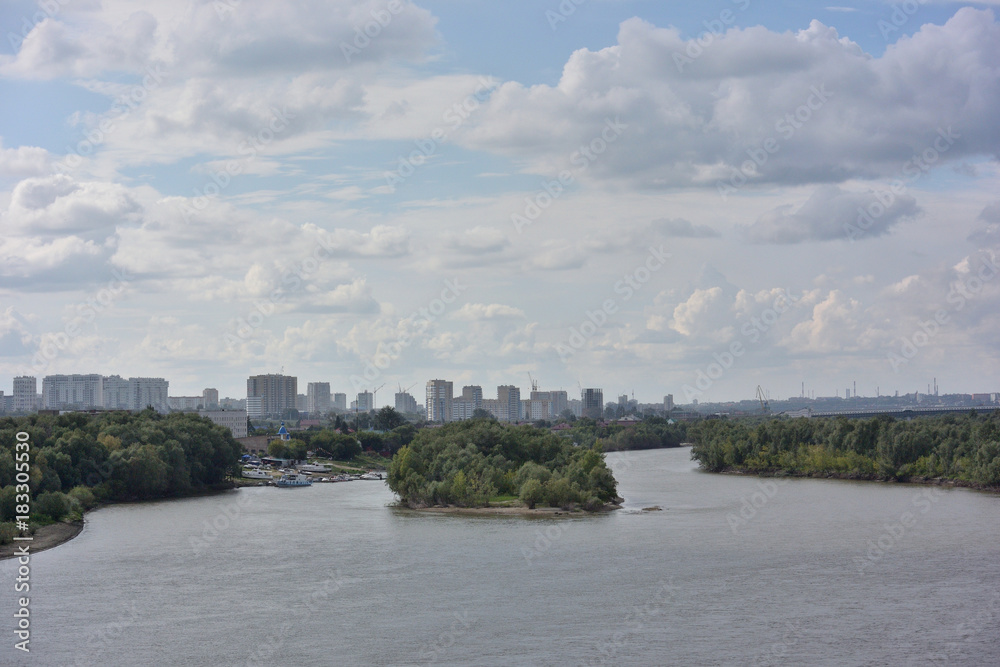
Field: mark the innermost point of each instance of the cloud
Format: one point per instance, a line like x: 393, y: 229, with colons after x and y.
x: 829, y: 214
x: 57, y: 204
x: 475, y: 312
x: 196, y: 38
x: 16, y: 338
x: 681, y: 228
x: 24, y: 161
x: 479, y: 241
x: 989, y: 234
x: 815, y: 99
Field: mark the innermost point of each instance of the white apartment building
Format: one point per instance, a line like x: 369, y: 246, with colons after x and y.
x: 25, y: 394
x: 234, y: 420
x: 81, y: 392
x: 318, y: 398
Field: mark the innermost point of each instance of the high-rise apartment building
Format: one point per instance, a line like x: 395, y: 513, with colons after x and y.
x: 81, y: 392
x: 318, y: 398
x: 234, y: 420
x: 668, y: 402
x: 405, y: 402
x: 255, y: 409
x: 277, y: 393
x: 592, y: 403
x: 340, y: 402
x: 25, y: 394
x: 473, y: 393
x: 210, y: 399
x: 509, y: 398
x: 366, y: 401
x: 149, y: 393
x: 440, y: 394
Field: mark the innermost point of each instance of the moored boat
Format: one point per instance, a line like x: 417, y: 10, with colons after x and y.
x: 255, y: 473
x: 294, y: 479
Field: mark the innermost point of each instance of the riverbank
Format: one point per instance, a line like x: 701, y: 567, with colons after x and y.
x: 44, y: 538
x: 923, y: 481
x: 509, y: 510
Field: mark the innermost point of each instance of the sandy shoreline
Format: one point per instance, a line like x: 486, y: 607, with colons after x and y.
x: 45, y: 537
x: 507, y: 511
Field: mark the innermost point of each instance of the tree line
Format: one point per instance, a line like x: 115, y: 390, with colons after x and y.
x: 650, y: 433
x: 960, y: 447
x: 78, y: 460
x: 469, y: 463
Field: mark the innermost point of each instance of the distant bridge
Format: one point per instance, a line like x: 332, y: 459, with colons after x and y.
x: 899, y: 413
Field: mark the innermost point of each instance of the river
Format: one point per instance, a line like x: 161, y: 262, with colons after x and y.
x: 733, y: 570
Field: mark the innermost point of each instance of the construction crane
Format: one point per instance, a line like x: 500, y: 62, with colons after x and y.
x: 534, y: 383
x: 765, y: 407
x: 375, y: 397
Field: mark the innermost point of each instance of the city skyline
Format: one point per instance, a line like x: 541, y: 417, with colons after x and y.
x: 640, y: 194
x: 115, y: 392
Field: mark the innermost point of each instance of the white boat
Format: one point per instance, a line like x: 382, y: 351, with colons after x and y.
x: 341, y: 478
x: 294, y: 479
x: 372, y: 475
x: 255, y: 473
x: 315, y: 467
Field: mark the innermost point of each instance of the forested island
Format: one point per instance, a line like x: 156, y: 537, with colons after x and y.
x: 480, y: 462
x: 78, y: 460
x: 963, y: 449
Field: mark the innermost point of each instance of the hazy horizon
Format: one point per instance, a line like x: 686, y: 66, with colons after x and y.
x: 613, y: 193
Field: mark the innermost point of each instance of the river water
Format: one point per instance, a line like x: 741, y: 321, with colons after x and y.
x: 814, y: 572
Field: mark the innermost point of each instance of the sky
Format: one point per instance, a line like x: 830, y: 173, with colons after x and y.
x: 648, y: 197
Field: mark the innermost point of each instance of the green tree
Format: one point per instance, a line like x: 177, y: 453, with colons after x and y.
x: 296, y: 449
x: 7, y: 503
x: 532, y: 493
x: 52, y: 504
x: 278, y: 449
x: 386, y: 419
